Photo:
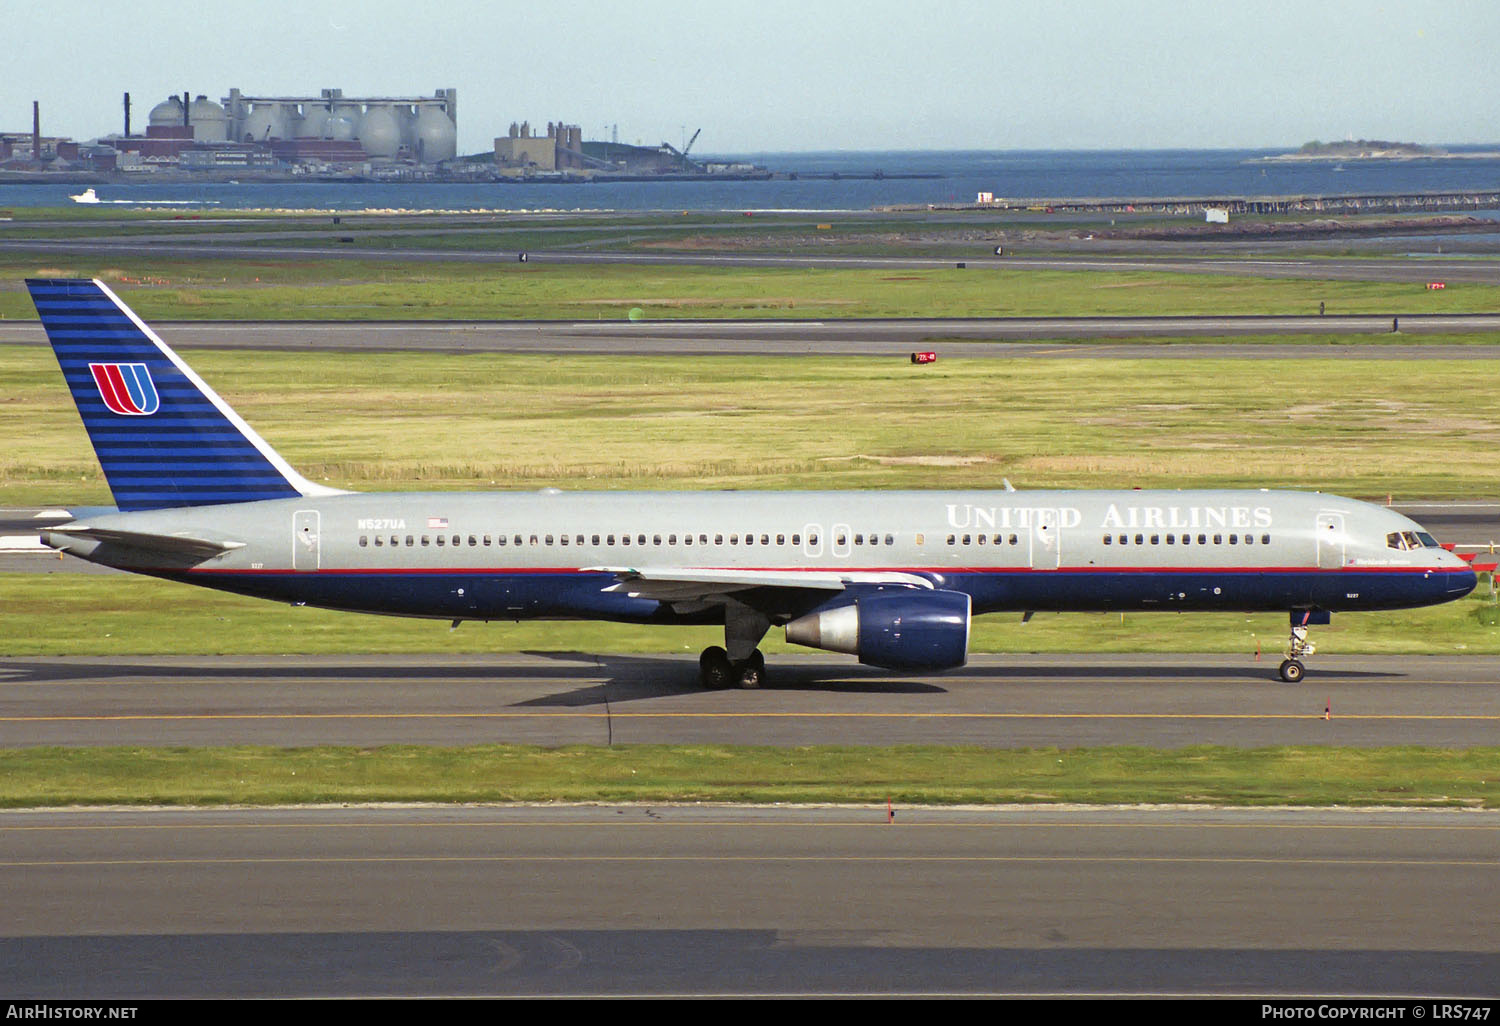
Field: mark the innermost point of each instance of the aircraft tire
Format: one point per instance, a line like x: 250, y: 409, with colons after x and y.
x: 1292, y: 671
x: 751, y: 674
x: 715, y: 672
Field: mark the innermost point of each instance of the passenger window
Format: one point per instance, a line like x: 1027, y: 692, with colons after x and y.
x: 500, y: 539
x: 781, y: 539
x: 920, y: 539
x: 563, y: 539
x: 441, y: 540
x: 1156, y: 539
x: 1108, y: 538
x: 518, y: 541
x: 1218, y: 539
x: 533, y: 541
x: 1234, y: 539
x: 1140, y: 539
x: 703, y: 539
x: 734, y: 539
x: 765, y: 539
x: 687, y: 539
x: 718, y: 539
x: 425, y: 541
x: 473, y: 540
x: 379, y: 541
x: 1203, y: 539
x: 549, y: 540
x: 890, y: 539
x: 952, y: 539
x: 671, y: 539
x: 966, y: 539
x: 611, y: 539
x: 364, y: 541
x: 410, y: 539
x: 596, y: 539
x: 1171, y: 539
x: 1265, y: 539
x: 458, y: 539
x: 1015, y: 540
x: 656, y: 539
x: 624, y: 539
x: 486, y: 541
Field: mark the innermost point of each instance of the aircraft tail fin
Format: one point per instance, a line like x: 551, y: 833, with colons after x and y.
x: 163, y: 437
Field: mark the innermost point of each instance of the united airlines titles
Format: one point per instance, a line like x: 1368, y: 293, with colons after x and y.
x: 1116, y: 517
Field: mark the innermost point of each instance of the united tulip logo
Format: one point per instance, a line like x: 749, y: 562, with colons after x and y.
x: 126, y: 388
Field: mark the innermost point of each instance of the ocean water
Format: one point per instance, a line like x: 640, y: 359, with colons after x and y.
x: 956, y: 177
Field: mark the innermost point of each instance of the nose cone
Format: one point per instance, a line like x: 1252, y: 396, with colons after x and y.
x: 1460, y: 581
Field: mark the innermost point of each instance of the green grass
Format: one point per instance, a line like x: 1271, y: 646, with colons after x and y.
x: 84, y: 614
x: 282, y: 289
x: 1409, y: 428
x: 1204, y: 775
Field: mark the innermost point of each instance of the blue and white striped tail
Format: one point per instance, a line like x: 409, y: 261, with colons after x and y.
x: 163, y: 437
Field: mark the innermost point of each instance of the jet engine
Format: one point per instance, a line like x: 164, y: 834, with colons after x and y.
x: 908, y: 630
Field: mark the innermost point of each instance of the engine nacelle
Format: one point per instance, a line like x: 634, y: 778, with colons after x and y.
x: 908, y: 630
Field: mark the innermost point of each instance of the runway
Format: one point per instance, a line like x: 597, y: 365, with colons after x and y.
x: 747, y: 901
x: 236, y: 246
x: 995, y: 337
x: 999, y: 701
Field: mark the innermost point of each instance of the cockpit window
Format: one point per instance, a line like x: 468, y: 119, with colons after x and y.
x: 1411, y: 540
x: 1428, y: 541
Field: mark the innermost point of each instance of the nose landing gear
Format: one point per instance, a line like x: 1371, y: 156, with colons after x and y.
x: 1298, y: 646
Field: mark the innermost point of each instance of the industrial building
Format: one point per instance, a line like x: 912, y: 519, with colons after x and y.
x: 267, y: 132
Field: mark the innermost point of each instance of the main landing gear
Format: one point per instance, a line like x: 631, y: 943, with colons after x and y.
x: 1297, y: 649
x: 716, y: 670
x: 739, y: 663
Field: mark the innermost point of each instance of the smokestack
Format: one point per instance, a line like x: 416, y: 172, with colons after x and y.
x: 187, y: 100
x: 127, y: 115
x: 36, y: 130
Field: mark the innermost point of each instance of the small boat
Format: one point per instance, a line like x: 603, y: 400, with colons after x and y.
x: 86, y: 196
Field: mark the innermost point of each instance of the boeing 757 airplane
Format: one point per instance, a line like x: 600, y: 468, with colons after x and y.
x: 893, y: 578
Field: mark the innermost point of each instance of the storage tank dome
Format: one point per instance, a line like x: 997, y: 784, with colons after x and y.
x: 167, y: 112
x: 437, y: 136
x: 265, y: 122
x: 208, y: 120
x: 343, y: 122
x: 315, y: 122
x: 379, y: 132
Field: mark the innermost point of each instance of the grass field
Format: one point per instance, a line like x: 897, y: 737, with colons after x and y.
x: 1422, y: 428
x: 317, y: 289
x: 1425, y: 777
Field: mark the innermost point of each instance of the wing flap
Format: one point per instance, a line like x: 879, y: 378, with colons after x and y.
x: 683, y: 584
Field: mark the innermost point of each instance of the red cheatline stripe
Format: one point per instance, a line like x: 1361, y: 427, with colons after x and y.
x: 857, y: 570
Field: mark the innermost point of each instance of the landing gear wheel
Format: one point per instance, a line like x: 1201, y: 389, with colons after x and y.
x: 1291, y: 671
x: 751, y: 673
x: 714, y: 669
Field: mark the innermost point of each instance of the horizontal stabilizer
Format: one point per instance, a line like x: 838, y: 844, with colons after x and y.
x: 177, y: 544
x: 677, y: 584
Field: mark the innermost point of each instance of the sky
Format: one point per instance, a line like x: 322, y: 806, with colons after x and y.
x: 777, y: 75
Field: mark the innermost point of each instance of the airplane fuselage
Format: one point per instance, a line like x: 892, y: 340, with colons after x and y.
x: 498, y: 556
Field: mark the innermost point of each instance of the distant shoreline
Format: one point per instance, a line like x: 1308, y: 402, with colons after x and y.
x: 1340, y: 158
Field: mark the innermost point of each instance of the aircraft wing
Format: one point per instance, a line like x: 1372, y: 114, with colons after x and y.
x: 178, y: 543
x: 679, y: 584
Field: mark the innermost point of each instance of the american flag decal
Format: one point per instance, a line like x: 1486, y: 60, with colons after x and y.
x: 433, y: 522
